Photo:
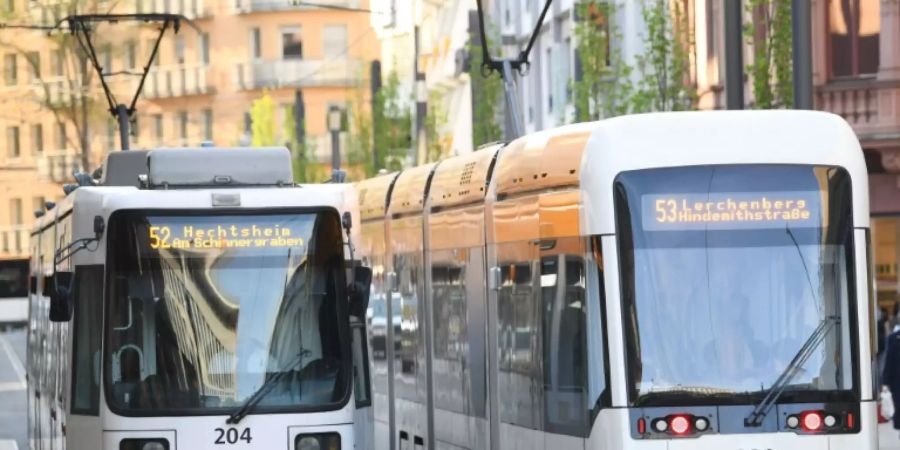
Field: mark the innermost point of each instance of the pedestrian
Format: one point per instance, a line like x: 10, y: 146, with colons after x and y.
x: 890, y: 376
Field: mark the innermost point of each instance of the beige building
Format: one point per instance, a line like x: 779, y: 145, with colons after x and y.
x: 200, y: 88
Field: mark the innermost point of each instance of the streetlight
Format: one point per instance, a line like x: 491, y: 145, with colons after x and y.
x: 335, y: 122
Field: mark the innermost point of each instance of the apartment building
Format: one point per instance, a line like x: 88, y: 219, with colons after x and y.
x: 200, y: 87
x: 443, y: 83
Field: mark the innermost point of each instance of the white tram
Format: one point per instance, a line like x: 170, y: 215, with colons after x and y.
x: 677, y: 280
x: 197, y: 298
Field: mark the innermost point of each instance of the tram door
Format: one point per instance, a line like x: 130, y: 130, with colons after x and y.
x: 457, y: 303
x: 410, y: 380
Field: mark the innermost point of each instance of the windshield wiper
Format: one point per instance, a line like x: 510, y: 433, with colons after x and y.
x: 755, y: 418
x: 260, y: 393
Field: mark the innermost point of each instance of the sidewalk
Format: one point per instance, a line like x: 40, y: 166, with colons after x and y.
x: 888, y: 438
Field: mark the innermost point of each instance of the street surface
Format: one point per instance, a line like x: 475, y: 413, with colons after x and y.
x: 13, y: 421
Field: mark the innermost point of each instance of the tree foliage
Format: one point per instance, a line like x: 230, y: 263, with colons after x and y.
x: 487, y: 95
x: 602, y: 88
x: 392, y: 123
x: 664, y: 66
x: 769, y: 34
x: 263, y: 125
x: 69, y: 89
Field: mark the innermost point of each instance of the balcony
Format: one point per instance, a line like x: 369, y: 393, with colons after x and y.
x: 249, y: 6
x: 55, y: 91
x: 342, y: 72
x: 176, y: 81
x: 192, y: 9
x: 14, y: 240
x: 871, y: 106
x: 57, y: 166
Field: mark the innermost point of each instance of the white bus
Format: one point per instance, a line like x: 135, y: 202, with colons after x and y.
x: 13, y: 293
x: 197, y: 298
x: 673, y: 280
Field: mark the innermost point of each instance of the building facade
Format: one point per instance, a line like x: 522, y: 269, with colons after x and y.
x: 424, y: 43
x: 200, y: 87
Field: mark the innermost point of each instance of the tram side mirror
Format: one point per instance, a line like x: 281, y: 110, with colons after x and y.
x: 359, y: 291
x: 61, y: 289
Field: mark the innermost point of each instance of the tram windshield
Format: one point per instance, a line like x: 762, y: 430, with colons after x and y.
x: 726, y: 272
x: 204, y: 309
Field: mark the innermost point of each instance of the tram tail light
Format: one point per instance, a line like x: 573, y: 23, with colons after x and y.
x: 675, y: 425
x: 680, y: 425
x: 814, y: 421
x: 811, y: 421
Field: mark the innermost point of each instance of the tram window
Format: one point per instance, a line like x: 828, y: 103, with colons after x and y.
x: 450, y: 331
x: 520, y: 380
x: 201, y: 329
x: 564, y: 352
x: 86, y: 346
x: 361, y: 385
x: 409, y: 354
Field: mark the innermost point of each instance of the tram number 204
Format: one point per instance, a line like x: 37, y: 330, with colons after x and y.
x: 232, y: 436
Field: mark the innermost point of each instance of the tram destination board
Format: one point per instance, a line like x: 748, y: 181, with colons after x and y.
x: 731, y: 210
x: 184, y: 234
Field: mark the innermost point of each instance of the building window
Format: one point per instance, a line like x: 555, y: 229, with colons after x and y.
x: 158, y: 127
x: 204, y: 48
x: 131, y: 54
x: 9, y: 69
x: 15, y: 211
x: 110, y: 135
x: 12, y: 142
x: 183, y: 125
x: 61, y: 139
x: 38, y: 202
x: 207, y: 124
x: 58, y: 63
x: 256, y: 43
x: 151, y: 44
x: 34, y: 66
x: 37, y: 137
x: 107, y: 58
x: 334, y: 40
x: 291, y: 43
x: 179, y: 49
x: 854, y: 27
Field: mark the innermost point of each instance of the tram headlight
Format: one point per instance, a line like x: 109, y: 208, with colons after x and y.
x: 323, y: 441
x: 144, y: 444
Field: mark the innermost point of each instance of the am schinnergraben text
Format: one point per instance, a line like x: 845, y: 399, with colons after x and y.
x: 222, y: 236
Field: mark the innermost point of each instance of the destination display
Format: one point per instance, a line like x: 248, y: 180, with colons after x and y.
x: 731, y: 210
x: 176, y: 233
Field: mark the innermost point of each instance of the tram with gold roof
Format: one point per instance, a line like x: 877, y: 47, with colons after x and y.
x: 675, y: 280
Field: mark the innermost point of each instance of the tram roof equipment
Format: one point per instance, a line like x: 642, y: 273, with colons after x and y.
x: 199, y: 168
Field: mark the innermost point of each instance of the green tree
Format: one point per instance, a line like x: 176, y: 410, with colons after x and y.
x: 69, y: 89
x: 603, y: 89
x: 436, y: 143
x: 392, y: 123
x: 262, y: 115
x: 664, y: 66
x: 487, y: 94
x: 300, y: 151
x: 769, y: 34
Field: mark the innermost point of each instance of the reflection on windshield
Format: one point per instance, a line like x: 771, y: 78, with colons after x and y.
x: 720, y: 304
x: 201, y: 319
